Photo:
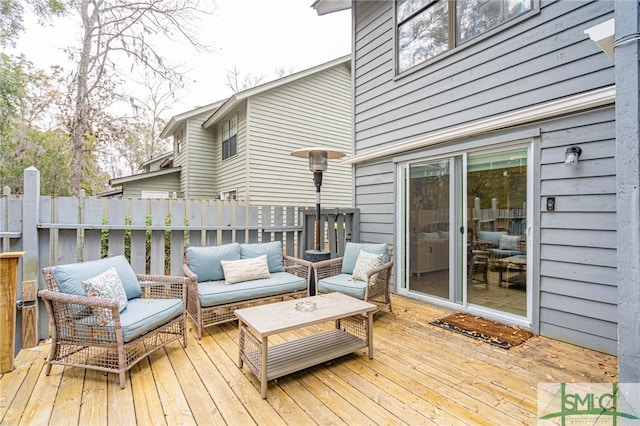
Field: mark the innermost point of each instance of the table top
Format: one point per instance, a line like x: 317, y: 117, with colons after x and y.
x: 279, y: 317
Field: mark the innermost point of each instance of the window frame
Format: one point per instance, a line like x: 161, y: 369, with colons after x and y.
x: 452, y: 21
x: 179, y: 140
x: 229, y: 195
x: 229, y: 142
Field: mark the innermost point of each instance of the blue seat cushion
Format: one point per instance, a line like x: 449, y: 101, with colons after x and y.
x: 273, y: 250
x: 213, y: 293
x: 205, y: 261
x: 342, y: 283
x: 143, y: 315
x: 352, y: 250
x: 69, y: 277
x: 140, y: 317
x: 506, y: 253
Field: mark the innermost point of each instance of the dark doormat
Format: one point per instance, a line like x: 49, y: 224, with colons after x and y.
x: 497, y: 334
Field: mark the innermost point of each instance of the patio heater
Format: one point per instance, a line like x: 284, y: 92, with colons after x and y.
x: 318, y: 157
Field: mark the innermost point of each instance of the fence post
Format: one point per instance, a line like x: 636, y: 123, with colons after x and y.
x: 30, y: 243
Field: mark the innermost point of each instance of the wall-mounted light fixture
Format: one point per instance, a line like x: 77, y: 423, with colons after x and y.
x: 571, y: 155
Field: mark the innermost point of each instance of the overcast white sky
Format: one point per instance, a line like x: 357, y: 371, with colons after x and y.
x: 257, y: 36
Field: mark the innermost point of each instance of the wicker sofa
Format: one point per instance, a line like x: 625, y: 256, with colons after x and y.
x: 93, y: 330
x: 211, y: 299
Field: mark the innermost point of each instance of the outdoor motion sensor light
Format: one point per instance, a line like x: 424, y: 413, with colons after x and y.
x: 318, y: 157
x: 571, y: 156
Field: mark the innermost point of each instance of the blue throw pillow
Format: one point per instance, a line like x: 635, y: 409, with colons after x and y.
x: 273, y: 250
x: 205, y: 261
x: 70, y: 277
x: 352, y: 250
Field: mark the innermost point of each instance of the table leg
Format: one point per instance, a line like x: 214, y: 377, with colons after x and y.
x: 240, y: 343
x: 370, y: 333
x: 263, y: 368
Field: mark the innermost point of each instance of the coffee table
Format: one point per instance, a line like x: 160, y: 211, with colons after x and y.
x: 353, y: 331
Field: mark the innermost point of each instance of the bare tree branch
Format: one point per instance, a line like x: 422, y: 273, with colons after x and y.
x: 115, y: 34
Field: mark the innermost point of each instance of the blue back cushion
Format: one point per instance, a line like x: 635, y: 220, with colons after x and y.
x: 352, y: 250
x: 70, y: 277
x: 273, y: 250
x: 205, y: 261
x: 492, y: 237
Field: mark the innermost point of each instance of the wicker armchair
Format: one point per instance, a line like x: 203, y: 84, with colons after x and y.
x: 334, y: 275
x: 149, y: 322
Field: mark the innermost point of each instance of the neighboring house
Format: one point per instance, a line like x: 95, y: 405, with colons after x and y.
x: 159, y: 179
x: 462, y: 133
x: 239, y: 148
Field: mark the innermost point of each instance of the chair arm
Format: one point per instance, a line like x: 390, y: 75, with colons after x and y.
x: 327, y: 268
x: 90, y: 302
x: 189, y: 273
x: 72, y: 318
x: 296, y: 261
x: 163, y: 286
x: 482, y: 245
x: 384, y: 267
x: 298, y: 267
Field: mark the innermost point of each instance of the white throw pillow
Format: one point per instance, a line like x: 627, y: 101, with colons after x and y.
x: 106, y: 285
x: 254, y: 268
x: 365, y: 262
x: 509, y: 242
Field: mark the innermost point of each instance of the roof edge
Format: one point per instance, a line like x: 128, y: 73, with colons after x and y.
x: 325, y: 7
x: 234, y: 100
x: 141, y: 176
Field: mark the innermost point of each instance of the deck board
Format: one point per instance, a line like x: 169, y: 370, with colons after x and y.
x: 420, y: 374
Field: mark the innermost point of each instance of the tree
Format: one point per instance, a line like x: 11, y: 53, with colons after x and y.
x: 28, y: 100
x: 238, y: 81
x: 11, y: 13
x: 114, y: 31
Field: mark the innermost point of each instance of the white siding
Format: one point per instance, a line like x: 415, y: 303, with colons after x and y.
x: 198, y: 178
x: 165, y: 183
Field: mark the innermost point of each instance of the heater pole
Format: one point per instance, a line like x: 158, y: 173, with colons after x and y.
x: 317, y: 180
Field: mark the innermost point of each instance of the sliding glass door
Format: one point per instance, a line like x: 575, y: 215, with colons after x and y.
x: 430, y: 226
x: 465, y: 229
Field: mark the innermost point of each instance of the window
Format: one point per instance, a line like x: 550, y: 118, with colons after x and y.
x: 178, y: 139
x: 229, y: 195
x: 427, y: 28
x: 154, y: 194
x: 229, y: 138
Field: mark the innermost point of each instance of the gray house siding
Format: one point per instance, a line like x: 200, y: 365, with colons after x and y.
x: 375, y: 197
x: 578, y: 289
x: 542, y: 57
x: 314, y: 111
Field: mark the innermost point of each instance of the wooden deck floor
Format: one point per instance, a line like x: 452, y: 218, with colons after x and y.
x: 420, y: 374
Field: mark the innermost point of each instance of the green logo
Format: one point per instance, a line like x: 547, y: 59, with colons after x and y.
x: 584, y: 403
